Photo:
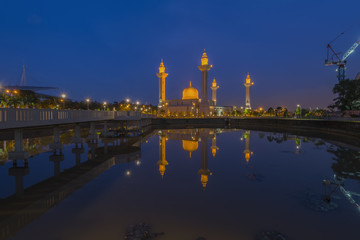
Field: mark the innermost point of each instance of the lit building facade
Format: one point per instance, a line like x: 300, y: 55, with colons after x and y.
x: 190, y: 104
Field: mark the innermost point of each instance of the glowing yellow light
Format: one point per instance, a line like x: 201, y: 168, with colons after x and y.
x: 213, y: 151
x: 87, y: 100
x: 248, y: 79
x: 162, y: 67
x: 190, y: 146
x: 15, y: 91
x: 190, y: 93
x: 7, y: 91
x: 204, y: 179
x: 204, y: 59
x: 214, y: 83
x: 63, y: 95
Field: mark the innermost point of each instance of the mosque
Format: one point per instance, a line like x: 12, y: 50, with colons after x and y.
x: 190, y: 104
x: 190, y: 142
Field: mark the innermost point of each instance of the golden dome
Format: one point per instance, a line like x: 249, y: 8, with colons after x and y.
x: 190, y: 93
x: 190, y: 146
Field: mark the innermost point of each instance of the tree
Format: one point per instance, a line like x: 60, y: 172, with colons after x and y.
x: 348, y: 95
x: 270, y: 111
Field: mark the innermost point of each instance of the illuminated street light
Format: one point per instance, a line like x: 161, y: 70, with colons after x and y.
x: 137, y: 102
x: 298, y: 106
x: 128, y: 173
x: 128, y: 100
x: 87, y: 103
x: 63, y: 96
x: 105, y: 103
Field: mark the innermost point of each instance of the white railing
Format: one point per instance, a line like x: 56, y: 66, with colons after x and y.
x: 18, y: 118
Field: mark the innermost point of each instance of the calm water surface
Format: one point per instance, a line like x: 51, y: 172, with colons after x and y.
x: 187, y: 184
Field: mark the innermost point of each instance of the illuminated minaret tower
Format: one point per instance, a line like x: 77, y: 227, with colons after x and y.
x: 214, y: 148
x: 204, y: 68
x: 204, y: 172
x: 161, y: 75
x: 214, y: 87
x: 247, y: 151
x: 248, y: 83
x: 162, y: 154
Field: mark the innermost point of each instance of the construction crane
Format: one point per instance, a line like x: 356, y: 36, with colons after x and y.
x: 333, y: 58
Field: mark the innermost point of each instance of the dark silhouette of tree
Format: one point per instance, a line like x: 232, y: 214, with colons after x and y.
x: 348, y: 95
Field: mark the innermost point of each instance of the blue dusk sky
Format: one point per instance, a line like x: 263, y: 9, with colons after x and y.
x: 110, y: 50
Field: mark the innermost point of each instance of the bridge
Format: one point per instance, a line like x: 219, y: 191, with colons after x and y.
x: 19, y: 120
x: 22, y: 118
x: 28, y: 204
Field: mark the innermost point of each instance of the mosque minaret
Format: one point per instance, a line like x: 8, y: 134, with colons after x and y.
x: 247, y: 151
x: 204, y: 68
x: 161, y: 75
x: 162, y: 163
x: 204, y: 172
x: 196, y: 103
x: 248, y: 83
x: 214, y: 88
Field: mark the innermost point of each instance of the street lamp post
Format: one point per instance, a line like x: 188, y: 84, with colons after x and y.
x: 87, y: 103
x: 63, y: 96
x: 299, y: 107
x: 104, y: 105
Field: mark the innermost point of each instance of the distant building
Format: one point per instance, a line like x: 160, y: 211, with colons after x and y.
x: 23, y: 86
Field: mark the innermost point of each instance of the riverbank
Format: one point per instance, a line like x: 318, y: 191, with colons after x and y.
x: 341, y: 131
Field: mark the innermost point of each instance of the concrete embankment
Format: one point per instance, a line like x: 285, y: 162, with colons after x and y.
x: 342, y: 131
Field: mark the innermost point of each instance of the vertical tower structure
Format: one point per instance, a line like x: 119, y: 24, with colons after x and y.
x: 204, y: 172
x: 204, y: 68
x: 247, y: 151
x: 248, y: 83
x: 213, y: 147
x: 162, y: 154
x: 214, y: 87
x: 161, y: 75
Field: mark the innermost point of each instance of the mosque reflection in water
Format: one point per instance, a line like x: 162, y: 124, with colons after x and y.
x: 191, y: 139
x: 94, y: 155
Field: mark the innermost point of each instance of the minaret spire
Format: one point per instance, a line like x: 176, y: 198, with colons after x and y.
x: 248, y: 83
x: 214, y: 88
x: 161, y: 75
